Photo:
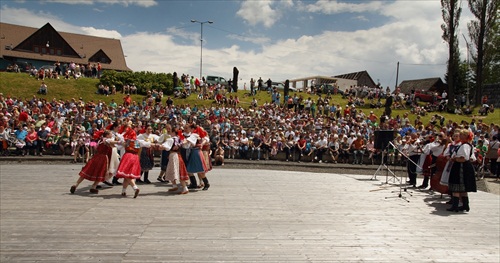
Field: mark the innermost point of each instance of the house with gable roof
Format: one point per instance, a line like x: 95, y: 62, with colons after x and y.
x: 46, y: 45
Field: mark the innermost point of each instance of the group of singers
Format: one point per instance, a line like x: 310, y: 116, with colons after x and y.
x: 456, y: 172
x: 121, y: 153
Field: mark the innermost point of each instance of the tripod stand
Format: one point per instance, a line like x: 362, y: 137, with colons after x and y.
x: 384, y: 165
x: 403, y: 187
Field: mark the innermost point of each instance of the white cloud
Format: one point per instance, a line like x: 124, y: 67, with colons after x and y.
x: 336, y: 7
x: 25, y: 17
x: 142, y: 3
x: 179, y: 32
x: 409, y: 39
x: 101, y: 32
x: 251, y: 39
x: 258, y: 12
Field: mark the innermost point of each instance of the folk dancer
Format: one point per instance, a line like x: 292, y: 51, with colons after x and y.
x: 147, y: 140
x: 97, y: 168
x: 195, y: 160
x: 176, y: 168
x: 166, y: 136
x: 130, y: 166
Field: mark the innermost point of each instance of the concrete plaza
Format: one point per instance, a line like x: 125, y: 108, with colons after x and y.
x: 246, y: 216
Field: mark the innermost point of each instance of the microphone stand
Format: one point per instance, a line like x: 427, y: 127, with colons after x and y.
x: 401, y: 186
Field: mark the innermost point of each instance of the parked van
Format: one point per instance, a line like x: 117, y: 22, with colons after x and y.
x: 213, y: 80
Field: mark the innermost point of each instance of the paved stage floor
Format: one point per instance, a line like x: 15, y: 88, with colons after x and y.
x: 246, y: 216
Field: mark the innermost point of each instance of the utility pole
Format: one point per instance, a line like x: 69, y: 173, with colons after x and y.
x: 201, y: 44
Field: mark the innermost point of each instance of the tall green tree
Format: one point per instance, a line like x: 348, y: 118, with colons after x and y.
x: 451, y: 11
x: 492, y: 70
x: 481, y: 34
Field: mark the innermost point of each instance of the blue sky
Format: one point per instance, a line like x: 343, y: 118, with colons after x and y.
x: 270, y: 39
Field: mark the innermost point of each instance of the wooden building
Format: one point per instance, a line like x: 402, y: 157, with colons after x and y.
x: 45, y: 46
x: 429, y: 84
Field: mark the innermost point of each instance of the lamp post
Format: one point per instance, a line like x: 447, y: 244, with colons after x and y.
x: 467, y: 75
x: 201, y: 43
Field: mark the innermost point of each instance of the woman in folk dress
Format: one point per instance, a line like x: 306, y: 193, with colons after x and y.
x: 196, y: 161
x: 130, y: 166
x: 147, y: 140
x: 96, y: 169
x: 176, y: 168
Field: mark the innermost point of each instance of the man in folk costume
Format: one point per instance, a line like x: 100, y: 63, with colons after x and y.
x: 163, y: 139
x: 130, y: 166
x: 176, y: 168
x: 195, y: 160
x: 118, y: 150
x: 412, y: 150
x: 147, y: 141
x: 97, y: 168
x: 425, y: 161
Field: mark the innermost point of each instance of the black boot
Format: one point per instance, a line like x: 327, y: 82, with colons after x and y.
x: 207, y: 185
x: 465, y: 204
x: 115, y: 181
x: 146, y: 176
x: 425, y: 183
x: 193, y: 184
x: 454, y: 204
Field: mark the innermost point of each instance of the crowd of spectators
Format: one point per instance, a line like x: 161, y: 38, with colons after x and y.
x: 297, y: 128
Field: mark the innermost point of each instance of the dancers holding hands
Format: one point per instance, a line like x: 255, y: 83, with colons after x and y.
x: 184, y: 151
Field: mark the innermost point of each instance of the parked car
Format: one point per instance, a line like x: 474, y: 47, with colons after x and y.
x: 214, y: 80
x: 281, y: 86
x: 328, y: 88
x: 426, y: 96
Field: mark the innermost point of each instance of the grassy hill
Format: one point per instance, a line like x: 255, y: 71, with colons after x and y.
x: 22, y: 85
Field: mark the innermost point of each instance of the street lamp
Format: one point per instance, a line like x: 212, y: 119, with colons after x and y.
x: 468, y: 65
x: 201, y: 43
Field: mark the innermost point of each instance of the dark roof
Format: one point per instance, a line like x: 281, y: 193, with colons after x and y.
x: 356, y: 76
x: 14, y: 37
x: 429, y: 84
x: 353, y: 75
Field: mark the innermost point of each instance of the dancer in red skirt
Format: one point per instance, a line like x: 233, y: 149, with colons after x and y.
x: 130, y: 166
x: 96, y: 169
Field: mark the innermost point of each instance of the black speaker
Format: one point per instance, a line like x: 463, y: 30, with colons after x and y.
x: 382, y: 139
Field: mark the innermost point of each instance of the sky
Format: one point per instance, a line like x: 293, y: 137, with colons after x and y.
x: 279, y: 40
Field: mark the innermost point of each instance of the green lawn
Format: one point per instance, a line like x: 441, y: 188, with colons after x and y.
x: 22, y: 85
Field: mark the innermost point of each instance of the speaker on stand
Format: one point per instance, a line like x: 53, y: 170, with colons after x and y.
x: 383, y: 139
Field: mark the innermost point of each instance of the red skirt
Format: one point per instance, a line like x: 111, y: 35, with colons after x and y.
x: 130, y: 167
x: 96, y: 168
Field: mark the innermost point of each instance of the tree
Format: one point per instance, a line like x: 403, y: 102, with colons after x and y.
x: 492, y: 70
x: 480, y: 31
x: 451, y: 14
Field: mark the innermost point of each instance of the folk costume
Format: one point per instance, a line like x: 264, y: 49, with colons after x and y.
x: 146, y: 141
x: 163, y: 139
x: 97, y: 168
x: 176, y: 168
x: 462, y: 175
x: 130, y: 166
x: 196, y: 160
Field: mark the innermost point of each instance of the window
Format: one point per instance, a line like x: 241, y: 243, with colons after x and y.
x: 36, y: 49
